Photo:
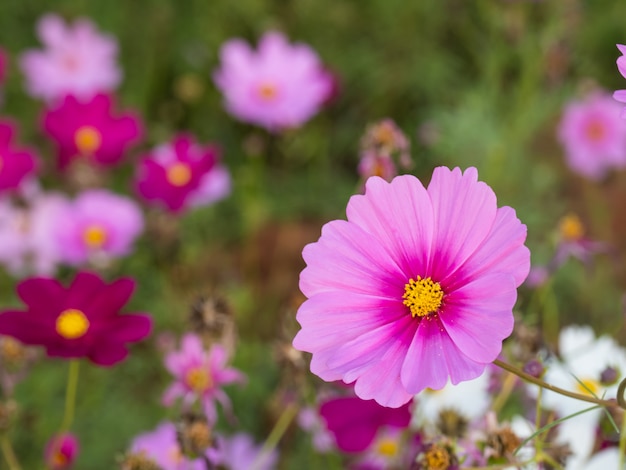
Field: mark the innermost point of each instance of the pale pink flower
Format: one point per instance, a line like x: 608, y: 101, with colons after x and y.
x: 239, y: 452
x: 593, y: 136
x: 416, y: 288
x: 77, y: 60
x: 200, y: 375
x: 620, y: 95
x: 161, y: 447
x: 26, y: 244
x: 96, y: 227
x: 278, y: 86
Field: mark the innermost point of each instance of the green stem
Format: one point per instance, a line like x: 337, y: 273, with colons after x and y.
x: 70, y: 395
x: 276, y: 434
x: 529, y: 378
x: 9, y: 455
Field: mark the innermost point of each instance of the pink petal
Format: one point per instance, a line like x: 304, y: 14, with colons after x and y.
x: 464, y: 211
x: 400, y: 215
x: 478, y: 316
x: 433, y: 357
x: 43, y: 296
x: 348, y: 258
x: 129, y: 328
x: 107, y: 354
x: 172, y: 393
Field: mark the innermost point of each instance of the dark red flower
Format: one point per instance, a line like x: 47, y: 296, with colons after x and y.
x: 81, y: 320
x: 15, y: 163
x: 355, y: 422
x: 89, y: 129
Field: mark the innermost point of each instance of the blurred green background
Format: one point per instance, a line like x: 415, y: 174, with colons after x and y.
x: 472, y: 83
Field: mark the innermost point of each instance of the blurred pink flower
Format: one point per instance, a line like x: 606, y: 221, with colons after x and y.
x: 162, y: 448
x: 181, y: 174
x: 310, y: 421
x: 81, y: 320
x: 89, y: 129
x: 354, y: 423
x: 277, y: 87
x: 593, y: 136
x: 77, y: 60
x: 620, y: 95
x: 61, y: 451
x: 97, y: 226
x: 416, y: 288
x: 16, y: 164
x: 26, y: 244
x: 239, y: 452
x: 199, y: 375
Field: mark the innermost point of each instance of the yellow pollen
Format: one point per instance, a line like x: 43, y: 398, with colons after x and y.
x: 437, y: 459
x: 595, y: 131
x: 94, y: 236
x: 388, y: 448
x: 59, y: 460
x: 88, y: 140
x: 571, y: 228
x: 178, y: 174
x: 267, y: 91
x: 588, y: 387
x: 72, y: 324
x: 198, y: 379
x: 423, y: 296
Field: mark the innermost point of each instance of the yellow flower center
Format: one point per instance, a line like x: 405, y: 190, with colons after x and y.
x: 178, y: 174
x: 588, y: 387
x: 595, y: 131
x: 423, y: 296
x: 72, y: 323
x: 198, y: 379
x: 571, y: 228
x: 437, y: 459
x: 87, y: 139
x: 94, y: 236
x: 388, y: 447
x: 268, y: 91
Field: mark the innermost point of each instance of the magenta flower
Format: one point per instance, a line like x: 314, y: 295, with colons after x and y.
x: 89, y: 129
x: 182, y: 174
x: 26, y: 244
x: 61, y: 451
x: 416, y: 288
x: 77, y: 60
x: 97, y: 226
x: 200, y: 375
x: 354, y: 422
x: 162, y: 448
x: 16, y: 164
x: 593, y: 136
x: 279, y: 86
x: 81, y: 320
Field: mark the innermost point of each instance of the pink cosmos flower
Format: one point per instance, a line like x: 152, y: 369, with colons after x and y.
x: 26, y: 243
x: 181, y: 174
x: 61, y: 451
x: 239, y: 452
x: 97, y: 226
x: 199, y: 375
x: 279, y: 86
x: 416, y: 288
x: 354, y: 422
x: 81, y: 320
x: 16, y: 164
x: 620, y: 95
x: 593, y: 136
x: 162, y: 448
x: 89, y: 129
x: 77, y: 60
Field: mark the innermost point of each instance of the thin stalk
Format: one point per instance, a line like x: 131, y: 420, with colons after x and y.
x: 529, y: 378
x: 70, y: 395
x: 276, y: 434
x: 7, y: 452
